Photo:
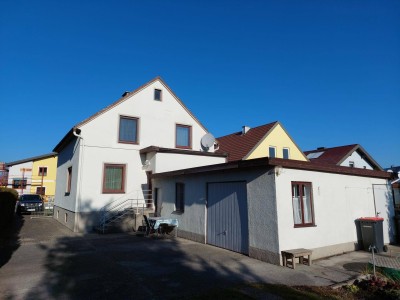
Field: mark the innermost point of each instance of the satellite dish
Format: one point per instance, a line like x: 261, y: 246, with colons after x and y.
x: 207, y: 141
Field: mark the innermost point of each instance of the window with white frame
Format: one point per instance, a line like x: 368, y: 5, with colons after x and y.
x: 272, y: 151
x: 285, y: 153
x: 303, y: 209
x: 42, y: 171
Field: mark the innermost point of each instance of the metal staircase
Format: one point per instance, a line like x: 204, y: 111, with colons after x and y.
x: 138, y: 203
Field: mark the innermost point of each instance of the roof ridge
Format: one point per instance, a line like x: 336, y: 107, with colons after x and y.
x: 328, y: 148
x: 251, y: 128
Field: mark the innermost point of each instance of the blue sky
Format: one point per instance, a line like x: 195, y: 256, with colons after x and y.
x: 329, y: 71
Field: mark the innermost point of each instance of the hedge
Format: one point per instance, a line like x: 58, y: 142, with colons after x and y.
x: 8, y: 199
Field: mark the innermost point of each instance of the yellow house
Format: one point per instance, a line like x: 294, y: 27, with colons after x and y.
x: 269, y: 140
x: 44, y: 171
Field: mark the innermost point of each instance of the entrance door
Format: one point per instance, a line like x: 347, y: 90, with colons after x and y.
x: 227, y: 221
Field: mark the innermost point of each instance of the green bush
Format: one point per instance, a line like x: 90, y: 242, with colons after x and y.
x: 8, y: 199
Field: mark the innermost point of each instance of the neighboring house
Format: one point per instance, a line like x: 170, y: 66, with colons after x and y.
x: 353, y: 156
x: 263, y: 206
x: 34, y: 175
x: 395, y: 181
x: 107, y: 159
x: 269, y: 140
x: 44, y: 173
x: 3, y: 174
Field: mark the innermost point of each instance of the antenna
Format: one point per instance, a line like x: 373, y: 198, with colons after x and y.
x: 207, y: 141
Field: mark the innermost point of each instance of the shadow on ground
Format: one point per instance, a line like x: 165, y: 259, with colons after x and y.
x: 141, y: 268
x: 10, y: 239
x: 356, y: 267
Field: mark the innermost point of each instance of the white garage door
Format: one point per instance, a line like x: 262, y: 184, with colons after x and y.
x: 227, y: 221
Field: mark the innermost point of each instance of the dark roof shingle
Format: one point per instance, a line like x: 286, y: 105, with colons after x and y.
x: 238, y: 145
x: 331, y: 155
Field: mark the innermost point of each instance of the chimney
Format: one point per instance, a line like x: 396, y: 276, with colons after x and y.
x: 125, y: 93
x: 245, y: 129
x: 321, y: 148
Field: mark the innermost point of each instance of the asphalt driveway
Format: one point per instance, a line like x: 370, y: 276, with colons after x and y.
x: 41, y: 259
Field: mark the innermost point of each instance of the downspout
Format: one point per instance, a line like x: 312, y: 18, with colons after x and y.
x: 77, y: 132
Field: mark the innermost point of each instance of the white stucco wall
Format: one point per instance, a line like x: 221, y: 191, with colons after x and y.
x: 15, y: 172
x: 164, y: 162
x: 69, y: 157
x: 99, y: 145
x: 338, y: 201
x: 359, y: 162
x: 157, y: 120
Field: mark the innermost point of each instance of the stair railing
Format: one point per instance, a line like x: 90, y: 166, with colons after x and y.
x: 117, y: 209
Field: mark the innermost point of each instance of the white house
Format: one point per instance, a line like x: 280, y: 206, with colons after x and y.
x: 263, y: 206
x: 20, y: 176
x: 353, y: 156
x: 20, y: 173
x: 109, y: 157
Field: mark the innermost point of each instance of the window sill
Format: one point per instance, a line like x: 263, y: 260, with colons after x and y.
x: 67, y: 194
x: 113, y: 192
x: 128, y: 142
x: 183, y: 147
x: 303, y: 226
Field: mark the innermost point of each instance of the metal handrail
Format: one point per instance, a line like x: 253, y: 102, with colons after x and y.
x: 121, y: 206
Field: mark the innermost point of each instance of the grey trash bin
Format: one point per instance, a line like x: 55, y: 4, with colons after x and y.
x: 372, y: 233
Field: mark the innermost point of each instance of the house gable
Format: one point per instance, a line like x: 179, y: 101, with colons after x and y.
x: 150, y: 113
x: 278, y: 138
x: 45, y: 179
x: 347, y: 156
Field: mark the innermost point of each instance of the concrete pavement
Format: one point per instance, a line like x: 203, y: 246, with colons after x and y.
x: 42, y: 259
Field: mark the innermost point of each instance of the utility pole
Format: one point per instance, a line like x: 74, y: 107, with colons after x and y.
x: 22, y: 181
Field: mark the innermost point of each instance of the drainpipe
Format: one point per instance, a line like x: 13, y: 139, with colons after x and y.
x: 77, y: 132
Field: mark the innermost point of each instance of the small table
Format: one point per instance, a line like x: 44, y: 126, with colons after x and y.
x: 155, y: 222
x: 301, y: 253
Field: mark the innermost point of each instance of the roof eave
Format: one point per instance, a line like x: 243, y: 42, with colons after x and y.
x: 274, y: 162
x: 65, y: 141
x: 34, y: 158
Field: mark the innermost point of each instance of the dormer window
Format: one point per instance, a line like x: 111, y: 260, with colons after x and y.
x: 157, y: 95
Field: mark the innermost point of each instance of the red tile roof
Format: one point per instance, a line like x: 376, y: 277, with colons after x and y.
x: 332, y: 155
x: 336, y: 155
x: 238, y: 145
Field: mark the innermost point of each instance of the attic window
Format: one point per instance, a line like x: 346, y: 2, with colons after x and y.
x: 272, y: 151
x: 183, y: 136
x: 128, y: 130
x: 157, y: 95
x: 285, y: 153
x: 351, y: 164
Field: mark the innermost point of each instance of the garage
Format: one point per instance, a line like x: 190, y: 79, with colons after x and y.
x: 227, y: 216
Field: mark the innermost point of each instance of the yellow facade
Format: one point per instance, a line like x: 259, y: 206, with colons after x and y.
x: 277, y: 137
x: 44, y: 172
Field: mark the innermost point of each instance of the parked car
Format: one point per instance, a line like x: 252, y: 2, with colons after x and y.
x: 29, y: 203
